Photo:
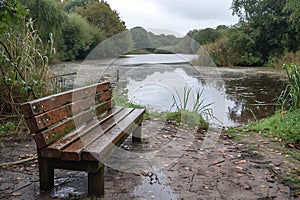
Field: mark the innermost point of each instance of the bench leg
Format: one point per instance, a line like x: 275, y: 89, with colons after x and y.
x: 137, y: 134
x: 96, y: 182
x: 46, y: 174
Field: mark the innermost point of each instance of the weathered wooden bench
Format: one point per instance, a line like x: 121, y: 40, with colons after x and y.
x: 79, y: 130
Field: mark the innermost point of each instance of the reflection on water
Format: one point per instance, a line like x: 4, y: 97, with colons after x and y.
x: 154, y: 186
x: 155, y: 59
x: 239, y: 95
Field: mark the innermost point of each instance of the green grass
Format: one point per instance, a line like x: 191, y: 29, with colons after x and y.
x: 289, y: 99
x: 282, y: 125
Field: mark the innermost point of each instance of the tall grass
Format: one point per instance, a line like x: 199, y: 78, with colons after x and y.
x: 24, y: 71
x: 192, y: 109
x: 185, y: 102
x: 289, y: 98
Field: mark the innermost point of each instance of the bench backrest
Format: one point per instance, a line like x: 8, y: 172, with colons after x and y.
x: 52, y: 117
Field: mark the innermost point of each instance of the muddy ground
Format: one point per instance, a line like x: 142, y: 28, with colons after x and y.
x: 171, y: 163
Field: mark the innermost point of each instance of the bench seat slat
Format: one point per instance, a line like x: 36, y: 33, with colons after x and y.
x: 64, y: 127
x: 100, y: 148
x: 48, y: 103
x: 49, y: 118
x: 54, y: 150
x: 73, y: 149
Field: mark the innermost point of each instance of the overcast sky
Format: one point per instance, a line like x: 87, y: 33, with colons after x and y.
x: 179, y: 16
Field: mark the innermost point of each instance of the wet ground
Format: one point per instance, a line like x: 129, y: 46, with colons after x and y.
x: 172, y: 163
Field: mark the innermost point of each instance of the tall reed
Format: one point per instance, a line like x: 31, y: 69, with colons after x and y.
x: 289, y: 98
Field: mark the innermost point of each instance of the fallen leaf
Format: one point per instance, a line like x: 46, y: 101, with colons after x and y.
x: 239, y: 167
x: 222, y: 149
x: 16, y: 193
x: 242, y: 161
x: 124, y: 190
x: 262, y: 186
x: 206, y: 187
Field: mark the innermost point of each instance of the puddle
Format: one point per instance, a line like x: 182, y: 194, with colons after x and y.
x: 154, y: 186
x: 64, y: 193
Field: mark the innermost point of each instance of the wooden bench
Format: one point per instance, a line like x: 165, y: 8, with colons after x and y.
x: 79, y: 130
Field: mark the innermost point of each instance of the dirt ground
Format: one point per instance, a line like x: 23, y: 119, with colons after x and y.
x: 171, y: 163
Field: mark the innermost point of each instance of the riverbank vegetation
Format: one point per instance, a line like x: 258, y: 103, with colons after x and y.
x: 267, y: 35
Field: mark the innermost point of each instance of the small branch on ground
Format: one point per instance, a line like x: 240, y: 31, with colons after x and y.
x: 216, y: 163
x: 19, y: 162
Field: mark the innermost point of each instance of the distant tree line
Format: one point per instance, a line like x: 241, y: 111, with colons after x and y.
x: 268, y: 34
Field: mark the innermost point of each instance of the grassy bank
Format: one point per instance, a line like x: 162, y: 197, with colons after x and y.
x: 283, y: 132
x: 282, y: 127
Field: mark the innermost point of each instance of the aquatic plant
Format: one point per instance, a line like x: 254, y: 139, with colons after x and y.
x: 192, y: 111
x: 289, y: 98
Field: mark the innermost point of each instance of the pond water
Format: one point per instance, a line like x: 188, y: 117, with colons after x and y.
x: 238, y: 95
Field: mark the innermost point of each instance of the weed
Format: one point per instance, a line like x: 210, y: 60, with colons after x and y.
x: 191, y: 112
x: 6, y: 128
x: 290, y: 96
x: 282, y: 125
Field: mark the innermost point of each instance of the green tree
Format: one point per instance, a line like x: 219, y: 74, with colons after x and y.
x: 47, y: 18
x: 269, y: 24
x: 205, y: 36
x: 140, y: 38
x: 11, y: 12
x: 79, y: 37
x: 71, y: 6
x: 102, y: 16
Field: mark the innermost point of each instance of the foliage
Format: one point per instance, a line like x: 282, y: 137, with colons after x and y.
x: 283, y: 126
x: 140, y: 38
x: 24, y: 71
x: 116, y: 45
x: 47, y: 18
x: 219, y: 52
x: 208, y: 35
x: 7, y: 128
x: 102, y: 16
x: 79, y: 37
x: 268, y: 28
x: 290, y: 96
x: 71, y: 6
x: 288, y: 57
x: 11, y: 12
x: 189, y: 108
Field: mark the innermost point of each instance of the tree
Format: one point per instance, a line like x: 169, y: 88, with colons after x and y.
x: 47, y: 18
x: 79, y: 37
x: 267, y: 23
x: 71, y: 6
x: 140, y: 38
x: 11, y: 12
x: 102, y: 16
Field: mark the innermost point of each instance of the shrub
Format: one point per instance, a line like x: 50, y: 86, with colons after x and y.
x: 79, y: 37
x: 24, y: 71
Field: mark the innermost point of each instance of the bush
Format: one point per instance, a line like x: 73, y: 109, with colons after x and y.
x: 220, y: 53
x: 289, y: 57
x: 79, y: 38
x: 24, y: 73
